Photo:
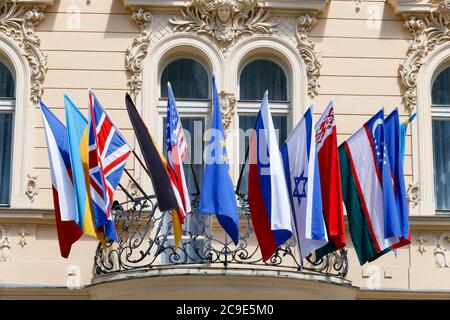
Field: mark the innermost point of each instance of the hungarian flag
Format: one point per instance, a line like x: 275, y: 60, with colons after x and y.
x: 330, y: 178
x: 367, y: 190
x: 62, y: 185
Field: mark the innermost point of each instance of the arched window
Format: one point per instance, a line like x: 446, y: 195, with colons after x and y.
x: 255, y: 78
x: 190, y: 85
x: 440, y: 109
x: 7, y: 104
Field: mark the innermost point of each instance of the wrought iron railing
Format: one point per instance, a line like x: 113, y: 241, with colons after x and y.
x: 146, y: 242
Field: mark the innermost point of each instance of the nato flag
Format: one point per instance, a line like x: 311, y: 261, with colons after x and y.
x: 217, y: 195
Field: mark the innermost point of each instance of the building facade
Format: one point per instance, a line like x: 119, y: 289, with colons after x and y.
x: 363, y: 55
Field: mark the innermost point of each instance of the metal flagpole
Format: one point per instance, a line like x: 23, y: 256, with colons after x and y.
x: 197, y: 188
x: 238, y: 186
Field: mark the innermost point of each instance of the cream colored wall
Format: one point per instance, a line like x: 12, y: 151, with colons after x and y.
x: 360, y: 72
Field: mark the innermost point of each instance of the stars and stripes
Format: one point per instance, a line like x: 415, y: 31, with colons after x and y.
x: 108, y: 153
x: 176, y: 152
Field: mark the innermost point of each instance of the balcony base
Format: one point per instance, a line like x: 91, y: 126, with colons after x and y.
x: 218, y: 283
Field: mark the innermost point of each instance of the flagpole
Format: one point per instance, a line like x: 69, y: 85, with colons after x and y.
x: 137, y: 184
x: 197, y: 188
x: 126, y: 193
x: 238, y: 186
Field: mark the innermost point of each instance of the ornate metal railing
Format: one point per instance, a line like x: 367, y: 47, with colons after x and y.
x: 146, y: 242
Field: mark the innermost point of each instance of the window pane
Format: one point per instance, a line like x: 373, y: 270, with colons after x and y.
x: 441, y: 141
x: 5, y: 156
x: 6, y: 82
x: 246, y: 124
x: 193, y: 131
x: 259, y: 76
x: 440, y: 93
x: 188, y: 78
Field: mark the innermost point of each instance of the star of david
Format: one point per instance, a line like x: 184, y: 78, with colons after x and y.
x: 300, y: 182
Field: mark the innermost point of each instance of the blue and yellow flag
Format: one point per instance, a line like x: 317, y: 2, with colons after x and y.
x: 78, y: 132
x: 217, y: 195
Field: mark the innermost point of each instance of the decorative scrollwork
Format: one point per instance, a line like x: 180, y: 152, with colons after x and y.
x: 310, y: 56
x: 224, y: 20
x: 136, y: 53
x: 19, y: 23
x: 429, y: 31
x: 146, y: 242
x: 228, y: 108
x: 32, y: 187
x: 413, y: 194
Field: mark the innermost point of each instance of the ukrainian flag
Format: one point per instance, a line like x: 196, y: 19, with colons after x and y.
x: 78, y: 132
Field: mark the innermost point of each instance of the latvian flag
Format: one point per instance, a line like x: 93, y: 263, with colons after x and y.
x: 367, y: 190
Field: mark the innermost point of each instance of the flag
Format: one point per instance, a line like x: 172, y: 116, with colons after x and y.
x: 403, y: 128
x: 217, y: 194
x: 330, y: 178
x: 303, y: 182
x: 393, y: 138
x: 78, y: 132
x: 365, y: 174
x: 62, y: 186
x: 157, y: 168
x: 267, y: 189
x: 176, y: 151
x: 108, y: 153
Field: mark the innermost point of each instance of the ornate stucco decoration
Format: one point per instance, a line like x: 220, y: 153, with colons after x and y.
x: 440, y: 250
x: 224, y: 20
x: 132, y: 187
x: 309, y: 55
x: 5, y: 246
x: 19, y: 23
x: 32, y: 189
x: 228, y: 108
x: 138, y: 50
x: 413, y: 194
x: 429, y: 31
x: 421, y: 240
x: 23, y: 233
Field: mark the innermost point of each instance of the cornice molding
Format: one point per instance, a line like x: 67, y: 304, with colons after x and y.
x: 18, y: 22
x: 411, y: 6
x: 428, y: 31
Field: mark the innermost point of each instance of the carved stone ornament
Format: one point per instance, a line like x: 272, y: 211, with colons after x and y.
x: 23, y: 233
x: 413, y: 194
x: 421, y: 240
x: 441, y: 240
x: 5, y: 246
x: 224, y: 20
x: 137, y: 52
x: 32, y: 187
x: 228, y: 108
x: 429, y: 31
x: 19, y: 23
x: 309, y: 55
x: 132, y: 187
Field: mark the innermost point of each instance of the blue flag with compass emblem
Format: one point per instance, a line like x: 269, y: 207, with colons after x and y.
x: 301, y: 169
x: 217, y: 194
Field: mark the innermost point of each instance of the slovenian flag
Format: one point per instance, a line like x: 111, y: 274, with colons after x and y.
x: 62, y: 186
x: 267, y: 190
x: 303, y: 181
x: 368, y: 191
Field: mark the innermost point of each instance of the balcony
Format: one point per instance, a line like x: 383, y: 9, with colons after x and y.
x: 144, y: 263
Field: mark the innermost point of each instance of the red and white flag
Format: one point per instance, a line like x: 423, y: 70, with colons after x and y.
x: 333, y: 208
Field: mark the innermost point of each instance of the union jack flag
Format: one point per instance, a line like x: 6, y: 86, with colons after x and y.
x: 108, y: 153
x: 176, y: 152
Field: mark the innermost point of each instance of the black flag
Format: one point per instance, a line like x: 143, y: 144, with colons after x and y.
x: 154, y: 160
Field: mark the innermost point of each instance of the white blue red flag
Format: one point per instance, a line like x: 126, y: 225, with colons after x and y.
x: 62, y: 186
x: 303, y: 180
x: 267, y: 189
x: 108, y: 153
x: 176, y: 152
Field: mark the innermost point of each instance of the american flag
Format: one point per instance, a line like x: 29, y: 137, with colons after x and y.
x: 176, y: 152
x: 108, y: 153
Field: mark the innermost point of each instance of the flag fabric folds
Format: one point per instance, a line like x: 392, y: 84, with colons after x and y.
x: 108, y: 153
x: 268, y: 196
x: 368, y: 191
x: 330, y: 178
x: 217, y: 193
x: 78, y: 133
x: 303, y: 181
x: 156, y: 168
x: 176, y: 152
x: 393, y: 144
x: 62, y: 186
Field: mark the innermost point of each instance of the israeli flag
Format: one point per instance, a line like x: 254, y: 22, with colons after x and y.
x: 302, y: 177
